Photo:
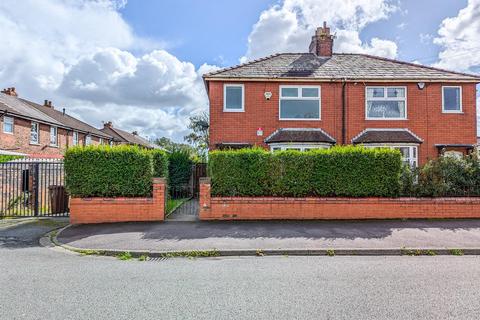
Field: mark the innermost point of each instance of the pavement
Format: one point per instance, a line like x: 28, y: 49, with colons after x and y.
x: 48, y: 283
x: 372, y: 237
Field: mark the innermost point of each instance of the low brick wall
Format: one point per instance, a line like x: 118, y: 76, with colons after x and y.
x: 101, y: 210
x: 265, y: 208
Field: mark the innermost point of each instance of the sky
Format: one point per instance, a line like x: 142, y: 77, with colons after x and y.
x: 138, y: 63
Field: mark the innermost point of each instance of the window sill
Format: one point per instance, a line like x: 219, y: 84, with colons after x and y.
x: 10, y: 133
x: 452, y: 112
x: 281, y: 119
x: 53, y: 146
x: 34, y: 143
x: 226, y: 110
x: 386, y: 119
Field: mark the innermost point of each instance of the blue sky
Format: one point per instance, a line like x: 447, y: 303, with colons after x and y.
x: 139, y: 63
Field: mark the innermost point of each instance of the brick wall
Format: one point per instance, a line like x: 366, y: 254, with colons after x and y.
x: 424, y: 113
x: 102, y: 210
x: 269, y: 208
x: 19, y: 141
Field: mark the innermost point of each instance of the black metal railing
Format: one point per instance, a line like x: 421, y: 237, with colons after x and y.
x: 29, y: 189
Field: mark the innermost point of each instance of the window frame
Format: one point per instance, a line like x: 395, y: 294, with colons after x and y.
x: 12, y: 123
x: 300, y: 97
x: 405, y: 99
x: 443, y: 100
x: 303, y: 146
x: 412, y: 157
x: 75, y: 138
x: 37, y: 141
x: 88, y: 139
x: 56, y: 136
x: 225, y: 86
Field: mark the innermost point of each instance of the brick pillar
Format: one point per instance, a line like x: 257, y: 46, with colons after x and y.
x: 159, y: 196
x: 205, y: 186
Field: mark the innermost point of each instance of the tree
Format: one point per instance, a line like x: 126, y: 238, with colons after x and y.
x: 171, y: 146
x: 199, y: 137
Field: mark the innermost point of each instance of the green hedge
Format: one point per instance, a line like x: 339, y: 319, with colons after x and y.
x: 103, y: 171
x: 179, y: 168
x: 160, y: 163
x: 345, y: 171
x: 6, y: 158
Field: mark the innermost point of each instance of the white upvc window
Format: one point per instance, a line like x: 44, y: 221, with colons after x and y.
x: 298, y: 146
x: 100, y: 141
x: 88, y: 140
x: 300, y: 103
x: 75, y: 138
x: 452, y: 99
x: 233, y: 98
x: 386, y: 103
x: 53, y: 136
x: 409, y: 152
x: 34, y: 133
x: 8, y: 124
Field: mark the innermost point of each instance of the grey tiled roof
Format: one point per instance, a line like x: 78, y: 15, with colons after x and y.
x: 19, y: 107
x: 386, y: 136
x: 300, y: 135
x: 337, y: 67
x: 127, y: 137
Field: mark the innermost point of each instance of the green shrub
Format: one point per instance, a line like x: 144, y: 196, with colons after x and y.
x: 160, y: 163
x: 447, y: 177
x: 6, y: 158
x: 179, y: 168
x: 340, y: 171
x: 103, y: 171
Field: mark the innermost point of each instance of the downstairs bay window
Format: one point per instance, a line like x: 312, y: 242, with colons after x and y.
x: 409, y: 152
x: 297, y: 146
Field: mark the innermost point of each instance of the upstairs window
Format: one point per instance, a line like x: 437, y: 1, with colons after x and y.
x: 53, y: 136
x: 299, y: 103
x: 452, y: 99
x: 75, y: 138
x: 233, y: 98
x: 34, y: 133
x: 7, y: 124
x: 386, y: 103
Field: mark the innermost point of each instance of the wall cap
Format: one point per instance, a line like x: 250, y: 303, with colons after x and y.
x: 205, y: 180
x: 159, y: 180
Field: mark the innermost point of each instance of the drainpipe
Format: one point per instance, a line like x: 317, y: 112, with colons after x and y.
x: 344, y: 111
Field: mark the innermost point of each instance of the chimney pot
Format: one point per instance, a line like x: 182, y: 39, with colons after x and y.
x: 108, y: 124
x: 322, y: 42
x: 10, y: 91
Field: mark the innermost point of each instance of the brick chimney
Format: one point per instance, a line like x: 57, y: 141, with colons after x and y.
x: 10, y: 91
x: 47, y: 104
x: 135, y: 133
x: 322, y: 42
x: 108, y: 124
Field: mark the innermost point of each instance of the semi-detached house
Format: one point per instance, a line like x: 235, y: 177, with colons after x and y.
x: 319, y: 98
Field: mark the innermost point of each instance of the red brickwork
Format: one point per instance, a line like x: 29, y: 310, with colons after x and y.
x: 424, y: 114
x: 269, y: 208
x: 102, y: 210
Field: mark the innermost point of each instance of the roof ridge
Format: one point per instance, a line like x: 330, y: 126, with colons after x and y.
x: 409, y: 63
x: 241, y: 65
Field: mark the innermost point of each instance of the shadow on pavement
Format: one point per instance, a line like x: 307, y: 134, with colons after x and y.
x: 23, y: 234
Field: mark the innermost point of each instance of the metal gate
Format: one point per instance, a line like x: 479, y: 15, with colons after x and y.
x: 182, y: 200
x: 31, y: 189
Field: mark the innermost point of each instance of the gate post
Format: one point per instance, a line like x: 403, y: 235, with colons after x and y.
x: 35, y: 188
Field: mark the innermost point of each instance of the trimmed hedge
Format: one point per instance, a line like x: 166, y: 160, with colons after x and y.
x: 345, y: 171
x: 179, y: 168
x: 103, y: 171
x: 6, y: 158
x: 160, y: 163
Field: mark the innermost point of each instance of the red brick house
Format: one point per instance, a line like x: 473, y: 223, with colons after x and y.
x: 320, y: 98
x: 41, y: 131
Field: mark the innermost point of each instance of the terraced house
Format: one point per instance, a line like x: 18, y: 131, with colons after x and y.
x: 317, y: 99
x: 41, y: 131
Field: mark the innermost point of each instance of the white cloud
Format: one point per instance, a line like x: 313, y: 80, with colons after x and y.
x: 459, y: 38
x: 80, y: 54
x: 289, y: 26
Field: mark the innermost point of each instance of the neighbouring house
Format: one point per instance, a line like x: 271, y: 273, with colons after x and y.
x: 41, y: 131
x: 123, y: 137
x: 319, y: 98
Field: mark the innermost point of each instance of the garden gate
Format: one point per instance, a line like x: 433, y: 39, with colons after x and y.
x: 32, y: 188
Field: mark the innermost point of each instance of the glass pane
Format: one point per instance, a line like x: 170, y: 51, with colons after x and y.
x: 451, y: 99
x: 300, y: 109
x: 233, y: 99
x: 310, y: 92
x: 396, y: 92
x: 289, y: 92
x: 375, y: 92
x: 386, y: 109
